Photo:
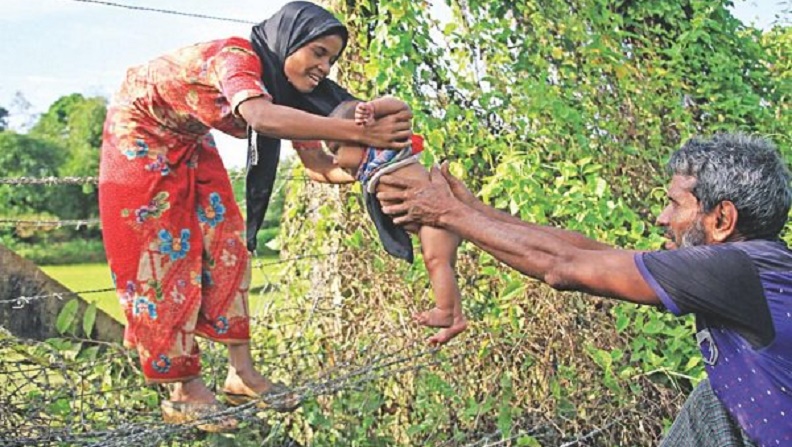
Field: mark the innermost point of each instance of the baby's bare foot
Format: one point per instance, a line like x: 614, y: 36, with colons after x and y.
x: 445, y: 335
x: 435, y: 318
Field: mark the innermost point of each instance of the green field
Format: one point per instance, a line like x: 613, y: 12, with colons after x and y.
x: 86, y: 277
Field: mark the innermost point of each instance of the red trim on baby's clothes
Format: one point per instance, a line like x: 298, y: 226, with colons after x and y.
x: 417, y: 143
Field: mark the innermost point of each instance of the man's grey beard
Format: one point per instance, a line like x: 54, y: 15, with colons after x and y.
x: 695, y: 235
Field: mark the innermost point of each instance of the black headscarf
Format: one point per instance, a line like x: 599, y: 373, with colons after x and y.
x: 274, y: 39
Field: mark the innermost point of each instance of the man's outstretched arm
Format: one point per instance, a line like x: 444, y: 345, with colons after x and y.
x: 549, y: 255
x: 463, y: 194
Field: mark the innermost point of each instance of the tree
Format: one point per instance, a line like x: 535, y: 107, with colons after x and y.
x: 75, y: 123
x: 3, y: 119
x: 20, y: 108
x: 27, y: 156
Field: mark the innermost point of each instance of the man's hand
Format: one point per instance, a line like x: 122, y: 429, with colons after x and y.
x: 419, y: 202
x: 460, y: 191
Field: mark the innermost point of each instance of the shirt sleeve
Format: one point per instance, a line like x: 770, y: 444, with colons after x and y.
x: 237, y: 74
x: 717, y: 282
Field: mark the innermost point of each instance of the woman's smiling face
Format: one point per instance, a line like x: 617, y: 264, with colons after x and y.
x: 310, y: 64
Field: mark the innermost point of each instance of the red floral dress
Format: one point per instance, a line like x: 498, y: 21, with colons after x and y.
x: 173, y: 232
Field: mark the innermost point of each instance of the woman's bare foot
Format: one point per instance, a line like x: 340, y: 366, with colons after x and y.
x: 445, y: 335
x: 192, y: 400
x: 246, y: 382
x: 192, y: 391
x: 435, y: 317
x: 241, y: 388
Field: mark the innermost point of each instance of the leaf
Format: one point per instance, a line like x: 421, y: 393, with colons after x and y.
x: 59, y: 407
x: 89, y: 318
x: 90, y: 353
x: 654, y: 326
x: 528, y: 441
x: 505, y: 420
x: 274, y: 244
x: 622, y: 322
x: 67, y: 316
x: 512, y: 289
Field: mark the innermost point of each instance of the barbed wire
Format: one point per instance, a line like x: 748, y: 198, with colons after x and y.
x: 166, y: 11
x: 49, y: 181
x: 347, y: 376
x: 354, y: 370
x: 79, y: 223
x: 144, y: 430
x: 20, y: 301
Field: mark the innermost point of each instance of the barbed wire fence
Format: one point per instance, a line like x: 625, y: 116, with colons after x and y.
x: 56, y: 397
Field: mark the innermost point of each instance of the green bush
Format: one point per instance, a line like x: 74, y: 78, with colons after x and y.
x: 77, y: 251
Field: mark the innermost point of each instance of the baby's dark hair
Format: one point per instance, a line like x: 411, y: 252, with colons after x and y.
x: 344, y: 111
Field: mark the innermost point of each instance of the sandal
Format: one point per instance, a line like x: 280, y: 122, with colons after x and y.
x: 278, y: 397
x: 186, y: 412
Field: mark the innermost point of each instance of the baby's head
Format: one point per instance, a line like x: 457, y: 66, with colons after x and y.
x: 348, y: 155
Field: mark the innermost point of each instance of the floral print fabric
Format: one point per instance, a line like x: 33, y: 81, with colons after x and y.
x: 173, y: 232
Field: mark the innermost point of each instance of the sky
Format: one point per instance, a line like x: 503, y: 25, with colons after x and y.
x: 53, y: 48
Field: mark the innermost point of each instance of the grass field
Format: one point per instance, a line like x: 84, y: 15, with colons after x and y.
x: 86, y: 277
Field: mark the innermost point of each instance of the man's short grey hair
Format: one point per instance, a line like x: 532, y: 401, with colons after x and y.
x: 746, y: 170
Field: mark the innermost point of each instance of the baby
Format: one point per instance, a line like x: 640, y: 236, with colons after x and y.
x: 438, y: 246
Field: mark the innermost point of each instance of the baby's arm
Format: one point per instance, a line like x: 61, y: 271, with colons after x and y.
x: 319, y: 165
x: 367, y: 112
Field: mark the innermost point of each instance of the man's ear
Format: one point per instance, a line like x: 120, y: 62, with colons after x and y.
x: 724, y: 221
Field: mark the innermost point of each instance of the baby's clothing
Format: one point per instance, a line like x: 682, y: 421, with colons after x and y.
x: 378, y: 162
x: 375, y: 164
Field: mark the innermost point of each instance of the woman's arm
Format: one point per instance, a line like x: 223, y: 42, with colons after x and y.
x: 277, y: 121
x: 319, y: 165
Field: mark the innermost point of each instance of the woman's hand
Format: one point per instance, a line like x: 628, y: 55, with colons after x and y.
x: 391, y: 132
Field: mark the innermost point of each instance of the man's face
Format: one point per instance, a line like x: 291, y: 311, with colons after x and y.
x: 682, y: 217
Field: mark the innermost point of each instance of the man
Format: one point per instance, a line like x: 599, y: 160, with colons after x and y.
x: 729, y: 199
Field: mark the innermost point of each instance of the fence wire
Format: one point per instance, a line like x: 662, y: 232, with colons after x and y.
x: 166, y: 11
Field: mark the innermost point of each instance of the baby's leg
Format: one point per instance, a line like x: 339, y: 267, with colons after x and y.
x: 439, y: 250
x: 439, y: 253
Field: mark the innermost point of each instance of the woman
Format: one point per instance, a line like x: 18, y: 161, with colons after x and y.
x: 174, y: 236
